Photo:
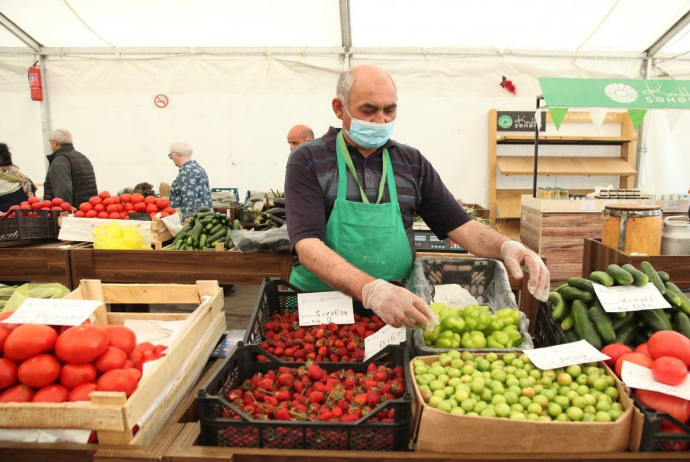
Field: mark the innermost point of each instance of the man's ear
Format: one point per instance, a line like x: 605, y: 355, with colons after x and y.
x: 338, y: 108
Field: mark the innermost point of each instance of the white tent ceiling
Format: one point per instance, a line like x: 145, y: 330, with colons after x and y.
x: 582, y: 27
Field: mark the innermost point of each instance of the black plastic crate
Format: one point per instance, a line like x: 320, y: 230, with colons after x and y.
x: 654, y: 438
x: 247, y: 432
x: 546, y: 332
x: 247, y: 216
x: 24, y: 224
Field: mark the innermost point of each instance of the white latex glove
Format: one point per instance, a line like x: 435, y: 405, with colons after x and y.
x: 515, y: 255
x: 396, y: 305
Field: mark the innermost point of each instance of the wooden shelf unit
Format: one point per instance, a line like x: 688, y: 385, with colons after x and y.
x: 504, y: 204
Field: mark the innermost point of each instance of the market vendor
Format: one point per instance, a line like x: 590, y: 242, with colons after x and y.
x: 351, y: 196
x: 191, y: 189
x: 298, y: 135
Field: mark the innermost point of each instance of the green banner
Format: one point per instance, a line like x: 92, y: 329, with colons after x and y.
x: 616, y: 93
x: 636, y: 116
x: 557, y: 115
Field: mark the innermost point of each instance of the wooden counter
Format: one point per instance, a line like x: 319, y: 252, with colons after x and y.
x: 35, y: 262
x: 177, y: 267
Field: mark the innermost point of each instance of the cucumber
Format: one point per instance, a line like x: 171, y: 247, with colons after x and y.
x: 620, y: 323
x: 182, y: 234
x: 561, y: 287
x: 603, y: 324
x: 640, y: 278
x: 672, y: 298
x: 626, y: 335
x: 558, y: 306
x: 654, y: 278
x: 567, y: 323
x: 236, y: 225
x: 621, y: 276
x: 203, y: 209
x: 684, y: 300
x: 571, y: 336
x: 582, y: 284
x: 601, y: 277
x: 202, y: 240
x: 584, y: 325
x: 196, y: 232
x: 655, y: 320
x: 683, y: 324
x: 189, y: 241
x: 573, y: 293
x: 663, y: 275
x: 215, y: 229
x: 209, y: 226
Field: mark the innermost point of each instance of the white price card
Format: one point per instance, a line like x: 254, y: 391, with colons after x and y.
x: 587, y: 205
x: 388, y: 335
x: 618, y: 299
x: 636, y: 376
x: 669, y: 205
x: 565, y: 355
x: 53, y: 312
x: 325, y: 307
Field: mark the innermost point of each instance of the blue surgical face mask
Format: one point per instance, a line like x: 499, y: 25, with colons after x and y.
x: 369, y: 135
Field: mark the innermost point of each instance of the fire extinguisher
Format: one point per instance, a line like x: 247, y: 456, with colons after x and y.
x: 35, y: 83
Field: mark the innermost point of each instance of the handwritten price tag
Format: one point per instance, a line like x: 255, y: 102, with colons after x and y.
x: 388, y: 335
x: 670, y: 205
x: 565, y: 355
x: 636, y: 376
x: 587, y: 205
x: 630, y: 298
x: 325, y: 307
x: 53, y: 312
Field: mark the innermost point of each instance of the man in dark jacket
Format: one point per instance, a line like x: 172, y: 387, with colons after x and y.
x: 70, y: 174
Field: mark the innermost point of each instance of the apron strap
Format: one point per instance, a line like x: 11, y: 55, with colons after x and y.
x: 341, y: 148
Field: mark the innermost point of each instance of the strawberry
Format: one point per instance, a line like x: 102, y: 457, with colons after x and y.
x: 286, y: 380
x: 371, y: 368
x: 315, y: 372
x: 349, y: 418
x: 399, y: 372
x: 282, y: 396
x: 381, y: 375
x: 373, y: 398
x: 361, y: 399
x: 283, y: 414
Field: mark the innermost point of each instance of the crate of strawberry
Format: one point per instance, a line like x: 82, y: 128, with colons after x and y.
x: 281, y: 405
x: 274, y: 325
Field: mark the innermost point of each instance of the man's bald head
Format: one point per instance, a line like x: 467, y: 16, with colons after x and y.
x: 364, y: 74
x: 298, y: 135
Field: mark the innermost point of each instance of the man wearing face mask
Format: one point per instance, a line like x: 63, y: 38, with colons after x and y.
x: 351, y: 196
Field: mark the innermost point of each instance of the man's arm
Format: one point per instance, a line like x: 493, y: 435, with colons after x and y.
x: 479, y: 239
x: 61, y: 179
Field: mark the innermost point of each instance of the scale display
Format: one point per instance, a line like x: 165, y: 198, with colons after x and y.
x: 427, y: 240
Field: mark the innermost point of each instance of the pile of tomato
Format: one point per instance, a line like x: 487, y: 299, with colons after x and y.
x: 57, y: 364
x: 34, y: 203
x: 119, y: 207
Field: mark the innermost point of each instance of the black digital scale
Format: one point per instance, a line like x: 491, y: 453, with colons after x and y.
x: 427, y: 240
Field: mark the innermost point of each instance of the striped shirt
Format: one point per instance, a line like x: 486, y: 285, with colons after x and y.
x: 311, y: 187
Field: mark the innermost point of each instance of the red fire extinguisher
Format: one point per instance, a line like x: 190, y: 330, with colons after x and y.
x: 35, y: 83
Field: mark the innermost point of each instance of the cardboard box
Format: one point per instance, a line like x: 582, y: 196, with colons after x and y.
x: 438, y: 431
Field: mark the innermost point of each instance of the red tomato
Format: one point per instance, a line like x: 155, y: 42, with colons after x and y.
x: 73, y: 375
x: 135, y: 357
x: 81, y: 344
x: 36, y: 205
x: 25, y: 207
x: 150, y: 199
x: 118, y: 380
x: 162, y: 203
x: 48, y: 204
x: 126, y: 198
x: 51, y: 394
x: 128, y: 365
x: 158, y: 350
x: 129, y: 207
x: 29, y: 340
x: 642, y: 348
x: 95, y: 201
x: 99, y: 208
x: 668, y: 370
x: 677, y: 408
x: 169, y: 210
x: 615, y: 351
x: 116, y: 199
x: 91, y: 214
x: 56, y: 209
x: 123, y: 215
x: 104, y: 195
x: 139, y: 206
x: 6, y: 315
x: 136, y: 373
x: 114, y: 216
x: 112, y: 358
x: 111, y: 208
x: 103, y: 215
x: 39, y: 371
x: 637, y: 358
x: 164, y: 214
x: 669, y: 343
x: 80, y: 214
x: 85, y: 207
x: 136, y: 198
x: 57, y: 201
x: 151, y: 208
x: 4, y: 333
x: 121, y: 337
x: 120, y: 208
x: 108, y: 201
x: 8, y: 373
x: 17, y: 394
x: 146, y: 346
x: 33, y: 200
x: 82, y: 392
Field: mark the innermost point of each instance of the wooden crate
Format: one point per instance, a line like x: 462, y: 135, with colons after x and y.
x: 597, y: 256
x: 40, y: 262
x: 178, y: 267
x: 112, y: 414
x: 159, y: 232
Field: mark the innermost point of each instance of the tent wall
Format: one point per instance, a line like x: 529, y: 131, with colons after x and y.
x: 236, y: 112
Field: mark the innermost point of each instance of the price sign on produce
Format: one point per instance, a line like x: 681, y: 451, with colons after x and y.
x: 325, y: 307
x: 387, y: 335
x: 618, y: 299
x: 565, y: 355
x: 636, y: 376
x: 53, y: 312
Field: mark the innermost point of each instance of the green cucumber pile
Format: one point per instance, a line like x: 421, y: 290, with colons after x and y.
x: 575, y: 306
x: 204, y: 230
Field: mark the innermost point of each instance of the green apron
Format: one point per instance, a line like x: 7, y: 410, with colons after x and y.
x: 370, y: 237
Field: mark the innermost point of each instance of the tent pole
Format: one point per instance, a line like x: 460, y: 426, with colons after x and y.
x: 641, y: 132
x: 345, y: 31
x: 46, y: 127
x: 536, y: 150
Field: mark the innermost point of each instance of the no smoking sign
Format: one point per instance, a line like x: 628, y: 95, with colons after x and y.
x: 161, y: 101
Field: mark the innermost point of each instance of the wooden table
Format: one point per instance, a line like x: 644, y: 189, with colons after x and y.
x: 177, y: 267
x: 24, y: 261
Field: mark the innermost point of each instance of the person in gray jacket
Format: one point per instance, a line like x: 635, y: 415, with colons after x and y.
x: 70, y: 173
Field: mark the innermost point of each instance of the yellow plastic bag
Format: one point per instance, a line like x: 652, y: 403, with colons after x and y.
x: 34, y: 290
x: 114, y: 236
